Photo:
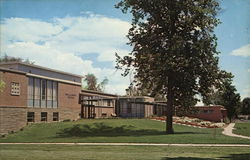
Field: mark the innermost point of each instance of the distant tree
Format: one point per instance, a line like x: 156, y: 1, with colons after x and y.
x: 174, y: 49
x: 246, y: 106
x: 7, y: 58
x: 101, y: 86
x: 91, y: 81
x: 136, y: 91
x: 92, y: 84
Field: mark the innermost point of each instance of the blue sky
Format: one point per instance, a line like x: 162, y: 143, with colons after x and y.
x: 81, y: 36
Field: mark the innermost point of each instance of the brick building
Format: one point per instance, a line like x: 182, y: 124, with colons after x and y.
x: 37, y: 94
x: 97, y: 104
x: 216, y: 113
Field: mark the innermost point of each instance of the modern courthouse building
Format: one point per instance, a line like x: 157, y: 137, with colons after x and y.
x: 37, y: 94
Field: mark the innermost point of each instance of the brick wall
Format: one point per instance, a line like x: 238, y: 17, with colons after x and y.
x: 68, y: 101
x: 12, y: 119
x: 6, y: 99
x: 105, y: 110
x: 215, y: 113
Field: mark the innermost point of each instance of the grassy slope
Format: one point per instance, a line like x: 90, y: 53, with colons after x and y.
x: 139, y: 130
x: 75, y: 152
x: 242, y: 129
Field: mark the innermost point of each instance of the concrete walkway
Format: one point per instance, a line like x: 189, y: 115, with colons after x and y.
x: 229, y: 132
x: 136, y: 144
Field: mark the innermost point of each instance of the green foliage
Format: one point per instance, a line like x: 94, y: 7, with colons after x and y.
x: 246, y: 106
x: 174, y: 49
x: 92, y: 84
x: 2, y: 85
x: 227, y: 97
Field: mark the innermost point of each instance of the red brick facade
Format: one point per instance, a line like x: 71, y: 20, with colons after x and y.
x: 6, y: 99
x: 210, y: 113
x: 14, y: 108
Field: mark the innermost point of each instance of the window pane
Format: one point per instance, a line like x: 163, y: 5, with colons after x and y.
x: 55, y: 116
x: 37, y: 92
x: 30, y: 92
x: 54, y: 97
x: 43, y: 89
x: 43, y: 116
x: 43, y: 93
x: 49, y: 94
x: 31, y: 117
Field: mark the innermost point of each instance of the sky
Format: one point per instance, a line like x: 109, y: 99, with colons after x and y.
x: 82, y: 36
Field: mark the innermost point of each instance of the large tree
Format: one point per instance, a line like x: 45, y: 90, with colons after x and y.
x: 174, y: 49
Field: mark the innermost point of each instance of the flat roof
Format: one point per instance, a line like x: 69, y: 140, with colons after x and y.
x: 97, y: 93
x: 133, y: 97
x: 11, y: 70
x: 33, y: 75
x: 41, y: 67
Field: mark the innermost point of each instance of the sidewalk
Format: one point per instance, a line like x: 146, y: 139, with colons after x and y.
x: 229, y: 132
x: 135, y: 144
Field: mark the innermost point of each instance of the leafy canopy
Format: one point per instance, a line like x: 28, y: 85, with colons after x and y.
x: 174, y: 47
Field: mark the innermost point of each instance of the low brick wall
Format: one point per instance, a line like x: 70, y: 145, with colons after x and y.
x: 12, y: 119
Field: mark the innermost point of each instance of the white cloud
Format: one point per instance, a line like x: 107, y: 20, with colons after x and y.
x: 243, y: 51
x: 246, y: 92
x: 59, y: 43
x: 248, y: 70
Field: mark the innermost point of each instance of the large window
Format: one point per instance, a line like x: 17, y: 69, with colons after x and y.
x: 42, y: 93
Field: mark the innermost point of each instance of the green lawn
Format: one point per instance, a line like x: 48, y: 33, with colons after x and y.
x: 242, y: 129
x: 118, y: 130
x: 76, y: 152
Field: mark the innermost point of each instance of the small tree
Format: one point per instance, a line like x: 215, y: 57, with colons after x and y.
x: 246, y: 106
x: 174, y: 49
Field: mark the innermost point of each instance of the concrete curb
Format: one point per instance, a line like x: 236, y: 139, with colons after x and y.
x: 134, y: 144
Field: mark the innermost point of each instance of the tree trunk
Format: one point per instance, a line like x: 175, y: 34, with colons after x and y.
x: 169, y: 114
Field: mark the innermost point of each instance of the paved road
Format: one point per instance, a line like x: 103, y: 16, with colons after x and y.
x: 229, y: 132
x: 138, y: 144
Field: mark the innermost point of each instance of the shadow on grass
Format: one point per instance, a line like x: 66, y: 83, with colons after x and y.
x: 186, y: 158
x: 101, y: 129
x: 244, y: 156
